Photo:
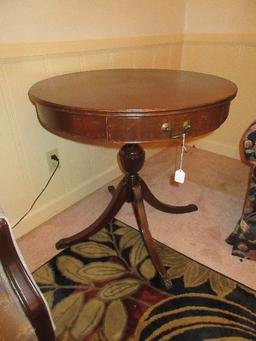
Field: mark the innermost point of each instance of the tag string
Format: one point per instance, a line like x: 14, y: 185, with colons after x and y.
x: 183, y: 148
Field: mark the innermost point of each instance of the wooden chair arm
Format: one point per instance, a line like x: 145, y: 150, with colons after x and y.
x: 23, y: 285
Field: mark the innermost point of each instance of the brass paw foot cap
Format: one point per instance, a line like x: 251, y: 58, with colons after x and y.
x: 167, y: 282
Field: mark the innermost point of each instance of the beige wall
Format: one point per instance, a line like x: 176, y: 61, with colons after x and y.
x: 133, y: 34
x: 220, y: 16
x: 220, y: 38
x: 55, y: 20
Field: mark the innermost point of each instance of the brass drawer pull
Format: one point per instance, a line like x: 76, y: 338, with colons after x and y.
x: 166, y: 127
x: 186, y: 126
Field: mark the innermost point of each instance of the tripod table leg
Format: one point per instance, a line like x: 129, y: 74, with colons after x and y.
x: 142, y: 222
x: 154, y: 202
x: 118, y: 199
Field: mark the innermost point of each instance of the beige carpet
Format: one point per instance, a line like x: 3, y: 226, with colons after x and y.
x: 215, y: 183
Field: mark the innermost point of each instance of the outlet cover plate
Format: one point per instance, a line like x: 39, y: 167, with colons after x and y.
x: 52, y: 163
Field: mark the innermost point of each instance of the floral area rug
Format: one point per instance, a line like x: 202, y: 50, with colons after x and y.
x: 106, y: 289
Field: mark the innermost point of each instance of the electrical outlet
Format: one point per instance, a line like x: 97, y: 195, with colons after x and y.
x: 51, y: 162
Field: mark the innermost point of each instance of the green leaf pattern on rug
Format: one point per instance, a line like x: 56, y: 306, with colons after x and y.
x: 102, y: 271
x: 147, y: 269
x: 93, y: 250
x: 120, y: 289
x: 129, y: 238
x: 138, y: 253
x: 171, y: 258
x: 221, y: 285
x: 122, y: 230
x: 88, y: 319
x: 176, y: 270
x: 101, y: 236
x: 195, y: 275
x: 111, y: 283
x: 71, y: 267
x: 66, y: 311
x: 44, y: 275
x: 121, y: 224
x: 115, y: 321
x: 49, y: 296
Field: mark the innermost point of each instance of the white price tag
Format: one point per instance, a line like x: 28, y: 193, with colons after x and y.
x: 179, y: 176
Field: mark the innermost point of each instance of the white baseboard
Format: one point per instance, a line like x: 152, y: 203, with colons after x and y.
x: 218, y: 148
x: 45, y: 212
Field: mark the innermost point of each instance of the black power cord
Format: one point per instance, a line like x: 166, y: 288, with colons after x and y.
x: 53, y: 157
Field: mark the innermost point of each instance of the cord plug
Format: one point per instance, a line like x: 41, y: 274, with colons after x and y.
x: 55, y: 157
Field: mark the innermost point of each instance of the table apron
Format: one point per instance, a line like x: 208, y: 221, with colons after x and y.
x: 120, y: 128
x: 71, y: 125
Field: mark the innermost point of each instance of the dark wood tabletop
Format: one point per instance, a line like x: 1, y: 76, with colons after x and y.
x: 132, y: 105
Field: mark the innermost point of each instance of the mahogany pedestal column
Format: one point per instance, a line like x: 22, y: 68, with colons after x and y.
x: 134, y: 190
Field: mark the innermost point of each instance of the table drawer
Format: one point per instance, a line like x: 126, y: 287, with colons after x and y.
x: 150, y: 128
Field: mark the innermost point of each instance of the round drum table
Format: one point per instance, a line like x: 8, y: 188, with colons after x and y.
x: 131, y: 107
